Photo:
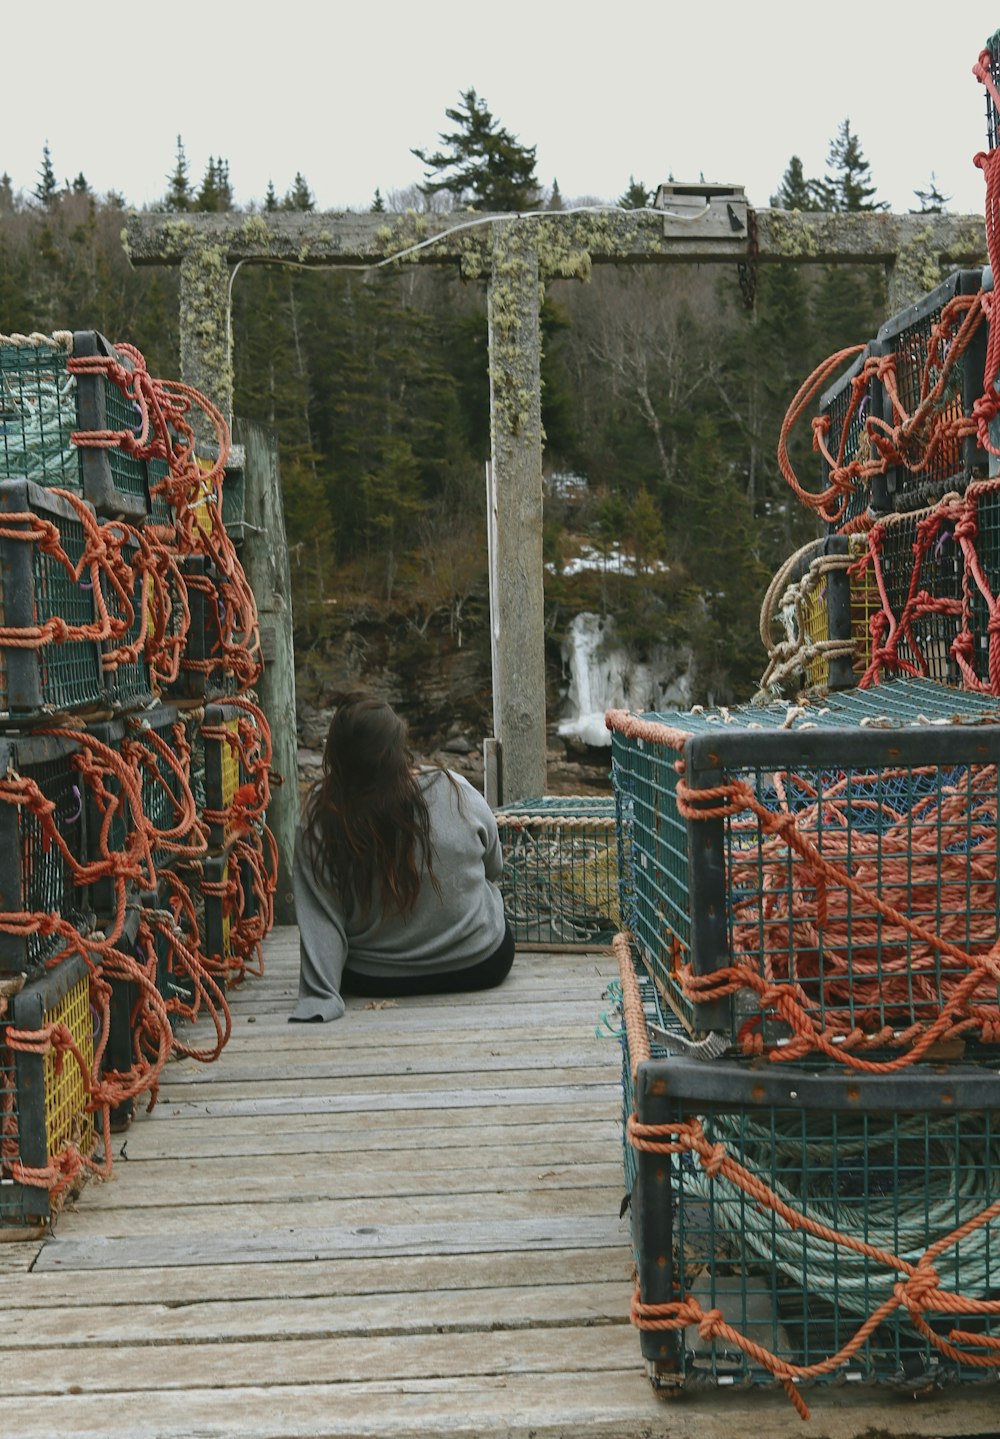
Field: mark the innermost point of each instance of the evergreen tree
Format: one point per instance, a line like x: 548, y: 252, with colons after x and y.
x: 482, y: 163
x: 555, y: 200
x: 6, y: 194
x: 299, y: 197
x: 932, y: 202
x: 46, y: 190
x: 179, y: 197
x: 377, y: 206
x: 847, y: 186
x: 79, y: 186
x: 270, y: 199
x: 636, y: 197
x: 215, y: 194
x: 796, y: 192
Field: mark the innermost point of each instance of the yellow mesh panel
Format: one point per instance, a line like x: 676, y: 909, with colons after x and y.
x: 66, y: 1118
x: 203, y: 502
x: 865, y: 602
x: 816, y: 629
x: 230, y: 762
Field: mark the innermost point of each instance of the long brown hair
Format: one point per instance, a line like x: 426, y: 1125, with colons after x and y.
x: 367, y: 820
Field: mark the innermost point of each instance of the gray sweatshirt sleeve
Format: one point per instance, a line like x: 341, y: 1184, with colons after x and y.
x: 322, y: 942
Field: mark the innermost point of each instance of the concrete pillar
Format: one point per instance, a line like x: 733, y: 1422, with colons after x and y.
x: 206, y: 362
x: 516, y: 435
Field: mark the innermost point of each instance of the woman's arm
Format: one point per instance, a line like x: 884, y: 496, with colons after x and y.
x: 322, y: 942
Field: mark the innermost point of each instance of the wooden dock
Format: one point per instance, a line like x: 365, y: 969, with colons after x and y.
x: 402, y: 1224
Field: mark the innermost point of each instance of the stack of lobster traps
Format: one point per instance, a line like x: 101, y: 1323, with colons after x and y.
x: 136, y: 869
x: 810, y: 953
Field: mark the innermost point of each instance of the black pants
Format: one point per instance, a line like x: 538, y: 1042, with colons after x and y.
x: 487, y: 974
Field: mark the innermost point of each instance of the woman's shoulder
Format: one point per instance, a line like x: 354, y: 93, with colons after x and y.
x: 448, y: 784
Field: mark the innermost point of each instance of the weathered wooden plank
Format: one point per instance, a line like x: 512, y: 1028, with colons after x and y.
x: 201, y: 1180
x: 277, y: 1363
x: 267, y: 1067
x: 180, y: 1286
x: 396, y: 1082
x: 231, y: 1215
x: 566, y: 1015
x: 322, y: 1317
x: 588, y: 1136
x: 388, y: 1102
x: 571, y: 1404
x: 277, y: 1242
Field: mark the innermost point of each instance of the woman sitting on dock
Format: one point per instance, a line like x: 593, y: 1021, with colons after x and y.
x: 395, y: 872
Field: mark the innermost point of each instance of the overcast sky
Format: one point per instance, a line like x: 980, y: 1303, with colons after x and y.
x: 342, y: 92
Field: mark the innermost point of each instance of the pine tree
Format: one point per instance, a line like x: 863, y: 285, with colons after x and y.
x: 79, y: 186
x: 299, y: 197
x: 179, y: 197
x: 482, y: 163
x: 636, y: 197
x: 377, y: 206
x: 847, y: 186
x: 796, y: 192
x: 6, y: 194
x: 932, y: 202
x: 270, y: 199
x: 555, y: 200
x: 47, y: 189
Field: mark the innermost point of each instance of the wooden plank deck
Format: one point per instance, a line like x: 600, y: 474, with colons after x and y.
x: 405, y: 1223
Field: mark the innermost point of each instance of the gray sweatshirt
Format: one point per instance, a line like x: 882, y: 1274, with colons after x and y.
x: 452, y: 930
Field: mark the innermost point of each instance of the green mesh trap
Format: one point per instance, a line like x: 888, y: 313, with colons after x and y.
x: 36, y: 878
x: 560, y: 870
x: 844, y: 409
x: 161, y: 512
x: 895, y: 788
x: 42, y: 404
x: 906, y: 337
x: 142, y: 737
x: 234, y: 504
x: 128, y: 681
x: 38, y: 586
x: 721, y: 1223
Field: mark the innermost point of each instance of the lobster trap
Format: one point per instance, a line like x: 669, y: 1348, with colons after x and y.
x: 43, y: 845
x: 43, y: 1104
x: 149, y: 745
x: 127, y: 677
x: 846, y: 451
x: 206, y: 668
x: 937, y: 455
x: 44, y: 405
x: 817, y: 878
x: 804, y: 1213
x: 560, y: 870
x: 233, y: 758
x: 226, y: 891
x: 50, y: 658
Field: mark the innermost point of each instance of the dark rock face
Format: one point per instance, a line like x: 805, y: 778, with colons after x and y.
x: 441, y: 688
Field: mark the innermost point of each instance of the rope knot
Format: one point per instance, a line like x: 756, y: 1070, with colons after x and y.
x: 917, y: 1289
x: 713, y: 1161
x: 711, y: 1324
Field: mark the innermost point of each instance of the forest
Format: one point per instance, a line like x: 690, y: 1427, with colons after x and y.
x: 664, y: 390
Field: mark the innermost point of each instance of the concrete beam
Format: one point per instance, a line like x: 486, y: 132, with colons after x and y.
x: 567, y: 243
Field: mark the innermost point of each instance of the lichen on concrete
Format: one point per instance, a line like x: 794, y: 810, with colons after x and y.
x: 792, y: 233
x: 204, y: 298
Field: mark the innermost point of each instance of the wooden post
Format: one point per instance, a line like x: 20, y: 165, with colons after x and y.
x: 264, y: 555
x: 516, y: 435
